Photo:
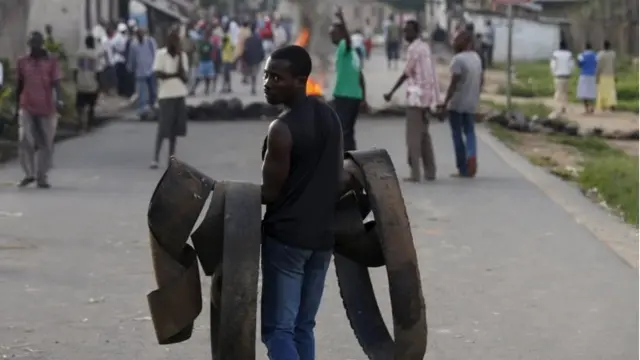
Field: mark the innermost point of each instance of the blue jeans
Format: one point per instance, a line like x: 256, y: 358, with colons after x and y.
x: 465, y: 148
x: 147, y: 92
x: 292, y: 286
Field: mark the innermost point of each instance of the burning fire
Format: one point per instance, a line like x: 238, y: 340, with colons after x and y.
x: 313, y: 87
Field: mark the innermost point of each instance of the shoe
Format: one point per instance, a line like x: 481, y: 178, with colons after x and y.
x: 26, y: 181
x: 154, y: 165
x: 472, y: 166
x: 44, y: 185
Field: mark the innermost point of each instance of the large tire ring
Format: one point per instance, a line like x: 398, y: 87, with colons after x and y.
x: 378, y: 177
x: 228, y: 240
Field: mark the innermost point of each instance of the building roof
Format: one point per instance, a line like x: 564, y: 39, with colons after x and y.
x: 164, y: 7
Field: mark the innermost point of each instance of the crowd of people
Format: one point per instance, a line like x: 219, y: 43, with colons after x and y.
x: 302, y: 170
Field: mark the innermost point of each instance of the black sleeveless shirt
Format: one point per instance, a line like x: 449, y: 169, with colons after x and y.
x: 303, y: 214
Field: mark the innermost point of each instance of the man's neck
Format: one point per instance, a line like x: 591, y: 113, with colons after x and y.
x: 297, y: 99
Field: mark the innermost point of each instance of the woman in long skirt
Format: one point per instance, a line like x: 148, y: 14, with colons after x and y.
x: 607, y: 97
x: 587, y: 87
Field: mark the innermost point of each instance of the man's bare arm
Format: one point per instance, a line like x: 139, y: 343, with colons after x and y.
x: 455, y: 79
x: 277, y: 161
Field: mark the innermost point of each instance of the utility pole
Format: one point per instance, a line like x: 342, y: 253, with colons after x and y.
x: 509, y: 53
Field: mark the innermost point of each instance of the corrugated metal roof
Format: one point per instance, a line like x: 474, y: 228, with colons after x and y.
x: 164, y: 7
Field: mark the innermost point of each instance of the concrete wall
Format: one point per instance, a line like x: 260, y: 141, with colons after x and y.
x: 70, y: 20
x: 532, y: 40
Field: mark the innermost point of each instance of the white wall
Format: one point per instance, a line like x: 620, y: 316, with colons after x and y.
x: 532, y: 40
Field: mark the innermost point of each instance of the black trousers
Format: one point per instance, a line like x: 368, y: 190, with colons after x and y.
x: 348, y: 110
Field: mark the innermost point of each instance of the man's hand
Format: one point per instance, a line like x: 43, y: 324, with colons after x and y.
x: 364, y: 106
x: 387, y: 97
x: 340, y: 14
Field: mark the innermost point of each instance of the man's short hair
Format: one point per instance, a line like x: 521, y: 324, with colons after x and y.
x: 414, y: 25
x: 297, y: 56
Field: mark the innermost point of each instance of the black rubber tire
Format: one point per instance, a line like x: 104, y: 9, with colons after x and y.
x: 173, y: 211
x: 234, y: 306
x: 407, y: 301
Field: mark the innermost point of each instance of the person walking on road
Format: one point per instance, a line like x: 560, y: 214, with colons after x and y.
x: 206, y: 67
x: 606, y: 74
x: 141, y: 58
x: 393, y: 41
x: 349, y: 90
x: 38, y: 93
x: 587, y: 87
x: 227, y: 50
x: 171, y: 67
x: 422, y: 96
x: 252, y: 56
x: 461, y: 101
x: 87, y: 82
x: 301, y: 175
x: 488, y: 36
x: 561, y: 68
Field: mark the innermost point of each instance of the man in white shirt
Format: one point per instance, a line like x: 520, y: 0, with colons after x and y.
x: 171, y: 68
x: 118, y: 45
x: 279, y: 35
x: 561, y: 68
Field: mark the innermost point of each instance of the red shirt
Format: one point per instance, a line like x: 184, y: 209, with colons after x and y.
x: 38, y: 77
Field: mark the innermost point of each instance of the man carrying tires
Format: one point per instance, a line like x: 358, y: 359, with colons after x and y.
x: 301, y: 171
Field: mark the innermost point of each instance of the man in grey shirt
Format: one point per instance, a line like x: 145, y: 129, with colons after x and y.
x: 463, y: 96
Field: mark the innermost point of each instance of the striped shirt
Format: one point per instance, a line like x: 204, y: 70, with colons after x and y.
x: 38, y: 79
x: 422, y: 83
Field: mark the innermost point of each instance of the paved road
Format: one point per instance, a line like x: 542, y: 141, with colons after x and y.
x: 507, y: 273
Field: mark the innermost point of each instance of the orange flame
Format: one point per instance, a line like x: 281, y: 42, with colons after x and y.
x: 313, y: 87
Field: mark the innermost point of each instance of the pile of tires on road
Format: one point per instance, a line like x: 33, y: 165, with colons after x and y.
x: 517, y: 121
x: 235, y: 109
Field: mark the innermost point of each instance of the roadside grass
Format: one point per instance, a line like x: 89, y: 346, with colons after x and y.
x: 533, y: 79
x: 605, y: 174
x: 608, y: 173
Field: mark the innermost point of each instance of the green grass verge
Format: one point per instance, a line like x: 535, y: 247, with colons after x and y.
x: 533, y: 79
x: 612, y: 172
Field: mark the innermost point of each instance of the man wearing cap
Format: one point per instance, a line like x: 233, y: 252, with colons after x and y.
x: 119, y: 45
x: 36, y: 94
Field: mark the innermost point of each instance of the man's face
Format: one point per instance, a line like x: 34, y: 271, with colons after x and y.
x: 409, y: 33
x: 336, y: 34
x: 279, y: 84
x: 36, y: 42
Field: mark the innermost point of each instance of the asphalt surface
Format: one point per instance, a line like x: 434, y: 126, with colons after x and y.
x: 507, y: 273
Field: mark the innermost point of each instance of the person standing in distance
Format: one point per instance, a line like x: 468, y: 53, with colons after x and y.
x: 171, y: 68
x: 37, y: 94
x: 349, y: 91
x: 422, y: 95
x: 301, y: 172
x: 461, y: 101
